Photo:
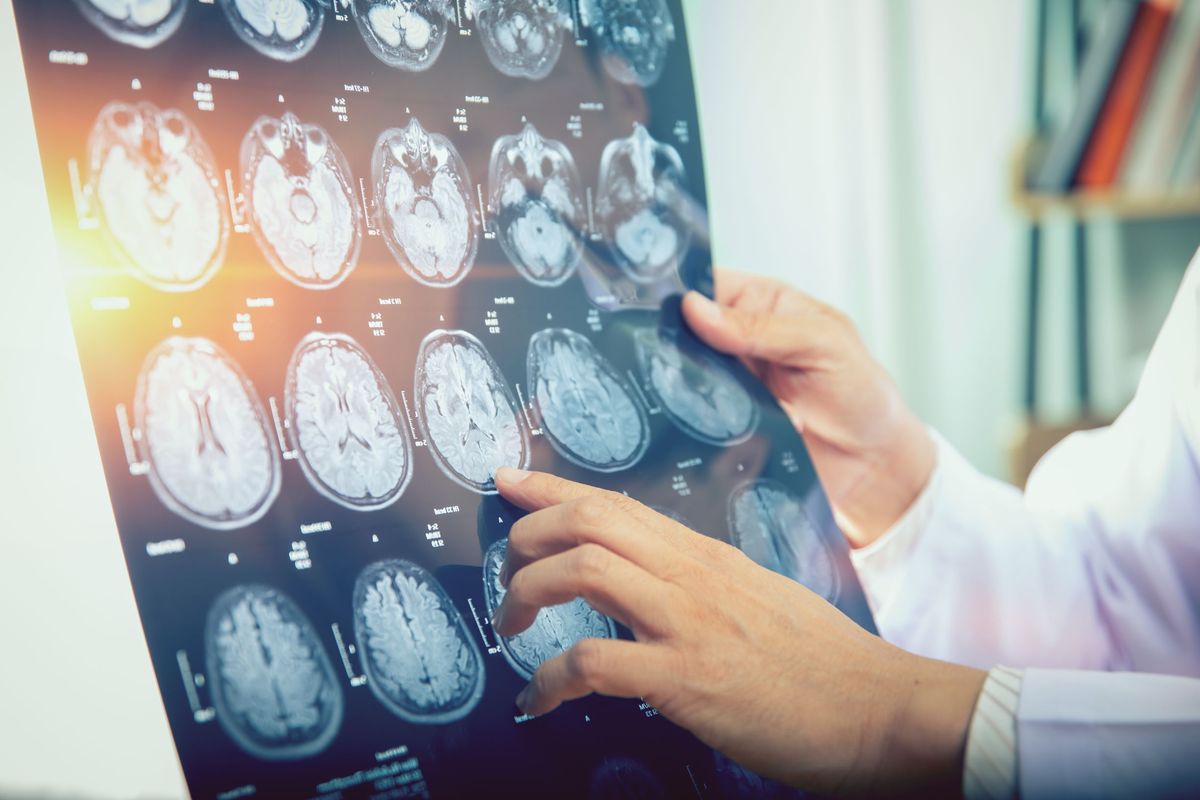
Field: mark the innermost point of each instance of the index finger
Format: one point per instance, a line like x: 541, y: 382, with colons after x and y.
x: 534, y: 491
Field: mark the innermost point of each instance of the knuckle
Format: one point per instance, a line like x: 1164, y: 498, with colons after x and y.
x: 592, y: 563
x: 586, y: 659
x: 588, y: 512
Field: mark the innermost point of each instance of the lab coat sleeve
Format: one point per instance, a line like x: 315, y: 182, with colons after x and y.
x: 972, y: 575
x: 1094, y: 566
x: 1083, y: 734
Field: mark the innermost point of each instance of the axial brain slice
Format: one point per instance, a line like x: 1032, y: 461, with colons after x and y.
x: 537, y: 200
x: 156, y: 187
x: 588, y: 409
x: 211, y: 456
x: 634, y: 35
x: 768, y: 523
x: 418, y: 654
x: 466, y: 411
x: 523, y: 38
x: 284, y: 30
x: 304, y: 209
x: 423, y: 204
x: 555, y: 630
x: 695, y: 390
x: 352, y: 440
x: 406, y: 34
x: 140, y: 23
x: 641, y: 196
x: 272, y: 683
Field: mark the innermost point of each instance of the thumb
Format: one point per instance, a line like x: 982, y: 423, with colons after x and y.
x: 794, y: 340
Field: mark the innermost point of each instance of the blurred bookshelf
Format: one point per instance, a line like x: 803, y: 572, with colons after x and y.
x: 1124, y: 149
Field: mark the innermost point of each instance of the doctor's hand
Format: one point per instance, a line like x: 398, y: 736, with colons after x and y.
x: 873, y: 455
x: 752, y: 663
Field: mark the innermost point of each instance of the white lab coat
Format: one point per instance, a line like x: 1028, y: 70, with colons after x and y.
x: 1096, y: 566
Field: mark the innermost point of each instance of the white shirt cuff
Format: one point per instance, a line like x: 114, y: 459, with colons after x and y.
x: 991, y: 763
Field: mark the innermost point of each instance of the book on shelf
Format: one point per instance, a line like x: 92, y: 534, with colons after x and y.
x: 1134, y: 123
x: 1174, y: 89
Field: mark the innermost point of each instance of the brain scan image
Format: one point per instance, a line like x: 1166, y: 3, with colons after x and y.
x: 700, y: 395
x: 156, y: 188
x: 734, y: 780
x: 423, y: 204
x: 639, y: 207
x: 208, y: 440
x: 140, y: 23
x: 418, y: 654
x: 285, y: 30
x: 625, y: 779
x: 406, y: 34
x: 588, y: 409
x: 555, y: 630
x: 351, y: 436
x: 523, y: 38
x: 768, y: 523
x: 304, y: 208
x: 466, y: 411
x: 537, y: 201
x: 634, y: 36
x: 272, y: 683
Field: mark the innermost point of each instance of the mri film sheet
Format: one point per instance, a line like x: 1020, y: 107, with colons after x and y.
x: 329, y: 267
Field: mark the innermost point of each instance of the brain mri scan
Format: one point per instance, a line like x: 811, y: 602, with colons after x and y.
x: 304, y: 208
x: 523, y: 38
x: 285, y: 30
x: 466, y: 411
x: 634, y: 36
x: 350, y: 434
x: 768, y: 523
x: 156, y: 188
x: 639, y: 206
x: 423, y: 204
x: 272, y: 683
x: 537, y: 202
x: 555, y: 630
x: 140, y: 23
x: 406, y: 34
x: 211, y: 454
x: 734, y: 780
x: 700, y: 395
x: 588, y: 409
x: 625, y: 779
x: 418, y: 654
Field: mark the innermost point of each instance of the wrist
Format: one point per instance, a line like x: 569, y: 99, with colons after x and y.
x: 926, y: 737
x: 893, y: 477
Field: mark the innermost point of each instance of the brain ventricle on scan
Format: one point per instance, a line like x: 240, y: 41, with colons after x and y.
x: 156, y: 188
x: 523, y: 38
x: 208, y: 444
x: 284, y: 30
x: 351, y: 437
x: 272, y: 683
x: 406, y: 34
x: 588, y: 409
x: 423, y: 204
x: 536, y: 198
x: 555, y: 630
x: 140, y: 23
x: 641, y: 204
x: 467, y: 414
x: 769, y: 524
x: 419, y: 656
x: 303, y: 205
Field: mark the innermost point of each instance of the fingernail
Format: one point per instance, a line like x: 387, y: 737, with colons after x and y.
x: 705, y: 307
x: 511, y: 476
x: 523, y: 698
x: 498, y: 616
x: 504, y: 574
